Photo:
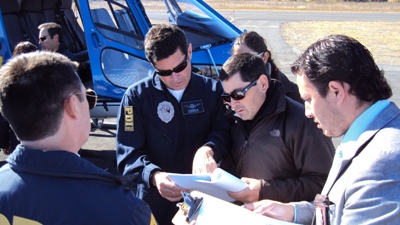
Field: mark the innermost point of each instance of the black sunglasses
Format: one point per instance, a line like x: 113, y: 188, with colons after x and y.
x: 177, y: 69
x: 91, y: 97
x: 43, y: 38
x: 238, y: 95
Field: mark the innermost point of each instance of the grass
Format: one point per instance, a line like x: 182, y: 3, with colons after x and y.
x: 326, y: 5
x: 381, y: 38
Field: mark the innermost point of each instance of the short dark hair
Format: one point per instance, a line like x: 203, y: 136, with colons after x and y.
x: 342, y: 58
x: 53, y: 29
x: 163, y: 40
x: 33, y: 87
x: 249, y: 66
x: 257, y: 43
x: 24, y: 47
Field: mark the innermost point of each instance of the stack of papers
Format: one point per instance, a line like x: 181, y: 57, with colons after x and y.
x: 215, y: 185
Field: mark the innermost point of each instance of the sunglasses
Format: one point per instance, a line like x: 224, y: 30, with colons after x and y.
x: 43, y: 38
x: 177, y: 69
x: 238, y: 95
x: 91, y: 97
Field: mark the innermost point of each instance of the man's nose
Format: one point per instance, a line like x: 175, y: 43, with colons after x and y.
x: 234, y: 103
x: 308, y: 111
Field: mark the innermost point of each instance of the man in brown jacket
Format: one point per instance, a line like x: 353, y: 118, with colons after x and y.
x: 279, y: 152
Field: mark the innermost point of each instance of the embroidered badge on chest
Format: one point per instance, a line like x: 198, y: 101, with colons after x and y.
x: 192, y: 107
x: 165, y: 111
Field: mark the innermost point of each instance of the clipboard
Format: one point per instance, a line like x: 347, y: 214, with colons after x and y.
x: 216, y: 211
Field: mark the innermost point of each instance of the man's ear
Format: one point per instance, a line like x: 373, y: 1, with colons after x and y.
x: 190, y: 51
x: 338, y: 89
x: 56, y: 37
x: 70, y: 105
x: 263, y: 82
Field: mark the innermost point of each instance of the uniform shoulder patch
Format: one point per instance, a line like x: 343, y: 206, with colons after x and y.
x: 128, y: 112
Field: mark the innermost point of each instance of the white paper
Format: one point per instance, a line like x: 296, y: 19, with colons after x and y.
x: 216, y: 212
x: 215, y: 185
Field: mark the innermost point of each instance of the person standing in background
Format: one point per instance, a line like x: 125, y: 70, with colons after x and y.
x: 51, y: 39
x: 8, y: 140
x: 252, y: 42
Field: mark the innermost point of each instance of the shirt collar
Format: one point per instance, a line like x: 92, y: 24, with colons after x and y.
x: 363, y: 120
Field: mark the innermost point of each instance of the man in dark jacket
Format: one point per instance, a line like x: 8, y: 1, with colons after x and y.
x: 45, y: 181
x: 280, y: 153
x: 172, y: 122
x: 51, y: 39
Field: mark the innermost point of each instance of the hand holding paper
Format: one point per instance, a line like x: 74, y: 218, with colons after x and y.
x: 250, y: 194
x: 166, y: 188
x: 216, y: 184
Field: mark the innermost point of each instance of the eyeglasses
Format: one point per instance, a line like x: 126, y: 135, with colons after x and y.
x: 177, y: 69
x: 43, y: 38
x: 91, y: 97
x: 238, y: 95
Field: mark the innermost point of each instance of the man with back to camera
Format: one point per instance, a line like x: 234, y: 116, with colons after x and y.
x: 277, y: 151
x: 347, y: 94
x: 51, y: 39
x: 45, y: 181
x: 172, y: 122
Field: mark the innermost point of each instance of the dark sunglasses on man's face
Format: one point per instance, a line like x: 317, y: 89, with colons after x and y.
x: 238, y: 95
x: 43, y: 38
x: 91, y: 97
x: 177, y: 69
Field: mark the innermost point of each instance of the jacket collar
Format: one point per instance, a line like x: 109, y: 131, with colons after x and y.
x: 352, y: 149
x: 382, y: 119
x: 56, y: 163
x: 275, y: 102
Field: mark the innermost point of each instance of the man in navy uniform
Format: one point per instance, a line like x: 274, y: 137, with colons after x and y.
x: 172, y: 122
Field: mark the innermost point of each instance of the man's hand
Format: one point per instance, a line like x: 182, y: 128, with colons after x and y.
x: 167, y: 189
x: 249, y: 194
x: 274, y: 209
x: 203, y: 161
